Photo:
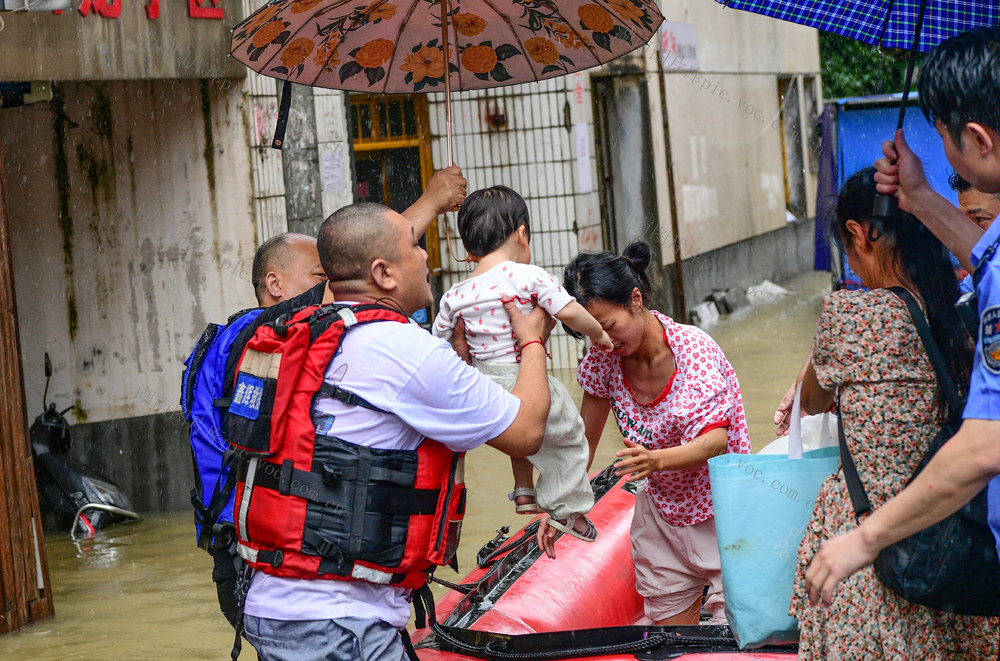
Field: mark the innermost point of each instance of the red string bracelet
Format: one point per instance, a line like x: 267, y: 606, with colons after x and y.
x: 538, y: 341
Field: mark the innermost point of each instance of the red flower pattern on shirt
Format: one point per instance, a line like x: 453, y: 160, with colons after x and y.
x: 703, y: 393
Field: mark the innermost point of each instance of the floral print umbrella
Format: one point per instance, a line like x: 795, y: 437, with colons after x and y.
x: 401, y: 46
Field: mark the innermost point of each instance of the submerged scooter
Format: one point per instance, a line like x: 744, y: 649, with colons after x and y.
x: 78, y: 496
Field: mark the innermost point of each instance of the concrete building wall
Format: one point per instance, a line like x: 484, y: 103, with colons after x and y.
x: 132, y: 228
x: 39, y: 45
x: 728, y: 168
x: 735, y: 41
x: 725, y: 124
x: 315, y: 165
x: 726, y: 120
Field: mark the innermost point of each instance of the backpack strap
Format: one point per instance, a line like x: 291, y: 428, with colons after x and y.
x: 193, y: 365
x: 220, y: 498
x: 347, y: 397
x: 348, y: 313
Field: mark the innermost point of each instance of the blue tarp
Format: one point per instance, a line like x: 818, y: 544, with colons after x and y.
x: 860, y: 125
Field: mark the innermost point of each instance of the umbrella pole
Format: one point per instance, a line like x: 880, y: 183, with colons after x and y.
x: 447, y: 80
x: 912, y: 62
x: 886, y: 205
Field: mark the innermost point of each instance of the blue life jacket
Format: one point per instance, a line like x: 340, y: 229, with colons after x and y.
x: 203, y: 399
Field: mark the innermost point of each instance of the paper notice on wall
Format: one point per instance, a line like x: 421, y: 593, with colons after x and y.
x: 678, y: 46
x: 584, y: 182
x: 331, y: 168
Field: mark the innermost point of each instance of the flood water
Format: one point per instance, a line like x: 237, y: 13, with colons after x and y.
x: 144, y: 591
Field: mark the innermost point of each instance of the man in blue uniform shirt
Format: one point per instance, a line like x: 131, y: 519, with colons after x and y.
x: 960, y: 93
x: 981, y: 208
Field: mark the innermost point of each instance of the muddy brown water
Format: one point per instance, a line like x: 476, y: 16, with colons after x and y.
x: 144, y: 591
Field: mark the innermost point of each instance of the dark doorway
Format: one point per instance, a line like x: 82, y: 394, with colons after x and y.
x: 625, y: 166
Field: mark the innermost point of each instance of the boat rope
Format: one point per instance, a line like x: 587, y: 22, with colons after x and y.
x: 464, y: 588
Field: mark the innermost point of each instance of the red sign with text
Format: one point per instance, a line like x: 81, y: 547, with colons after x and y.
x: 113, y: 8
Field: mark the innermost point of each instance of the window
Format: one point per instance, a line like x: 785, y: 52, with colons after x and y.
x: 392, y: 157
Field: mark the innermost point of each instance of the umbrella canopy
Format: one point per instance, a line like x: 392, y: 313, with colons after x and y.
x: 919, y: 25
x: 885, y: 23
x: 398, y: 46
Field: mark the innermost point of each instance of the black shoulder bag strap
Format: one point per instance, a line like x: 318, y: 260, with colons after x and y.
x: 859, y: 499
x: 944, y: 377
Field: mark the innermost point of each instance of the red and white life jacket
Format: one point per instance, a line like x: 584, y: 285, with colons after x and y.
x: 315, y: 506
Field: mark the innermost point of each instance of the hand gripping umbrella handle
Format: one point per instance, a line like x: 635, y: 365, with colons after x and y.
x: 886, y: 206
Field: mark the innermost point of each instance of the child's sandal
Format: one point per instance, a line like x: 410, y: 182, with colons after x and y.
x: 524, y: 508
x: 589, y: 534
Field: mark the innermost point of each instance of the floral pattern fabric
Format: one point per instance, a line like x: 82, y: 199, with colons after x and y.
x: 866, y: 344
x: 702, y: 394
x: 395, y: 46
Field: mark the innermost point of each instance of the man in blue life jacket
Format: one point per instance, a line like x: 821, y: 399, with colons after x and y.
x: 414, y: 387
x: 960, y: 93
x: 287, y: 275
x: 981, y: 208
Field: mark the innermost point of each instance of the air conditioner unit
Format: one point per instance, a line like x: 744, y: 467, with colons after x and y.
x: 35, y: 5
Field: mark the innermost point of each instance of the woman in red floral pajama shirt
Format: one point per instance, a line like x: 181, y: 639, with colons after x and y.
x: 677, y: 403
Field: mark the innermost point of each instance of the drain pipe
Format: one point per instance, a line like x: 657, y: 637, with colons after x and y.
x: 681, y: 313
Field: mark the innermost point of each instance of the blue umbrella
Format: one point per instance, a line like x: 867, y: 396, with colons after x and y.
x: 885, y: 23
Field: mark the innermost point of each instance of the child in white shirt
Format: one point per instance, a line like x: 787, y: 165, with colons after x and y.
x: 493, y: 223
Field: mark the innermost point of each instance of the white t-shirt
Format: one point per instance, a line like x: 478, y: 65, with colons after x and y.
x: 430, y: 393
x: 477, y: 301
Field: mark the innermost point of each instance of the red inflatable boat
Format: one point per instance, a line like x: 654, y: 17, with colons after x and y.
x: 519, y: 604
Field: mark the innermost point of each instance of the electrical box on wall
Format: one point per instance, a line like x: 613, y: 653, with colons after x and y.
x: 19, y: 94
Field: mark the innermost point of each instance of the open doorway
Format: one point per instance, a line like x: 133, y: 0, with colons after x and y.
x: 625, y: 166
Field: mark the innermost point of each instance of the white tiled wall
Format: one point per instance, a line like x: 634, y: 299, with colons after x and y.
x: 535, y: 155
x: 265, y: 162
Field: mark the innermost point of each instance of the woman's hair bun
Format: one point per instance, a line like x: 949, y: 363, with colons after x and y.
x: 637, y: 254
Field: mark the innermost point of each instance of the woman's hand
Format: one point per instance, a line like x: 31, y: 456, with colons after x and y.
x: 636, y: 460
x: 783, y: 414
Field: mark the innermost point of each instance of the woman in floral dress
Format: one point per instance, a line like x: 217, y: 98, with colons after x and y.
x: 677, y: 403
x: 867, y: 346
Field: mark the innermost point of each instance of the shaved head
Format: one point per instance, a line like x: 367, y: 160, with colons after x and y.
x: 355, y: 236
x: 292, y: 257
